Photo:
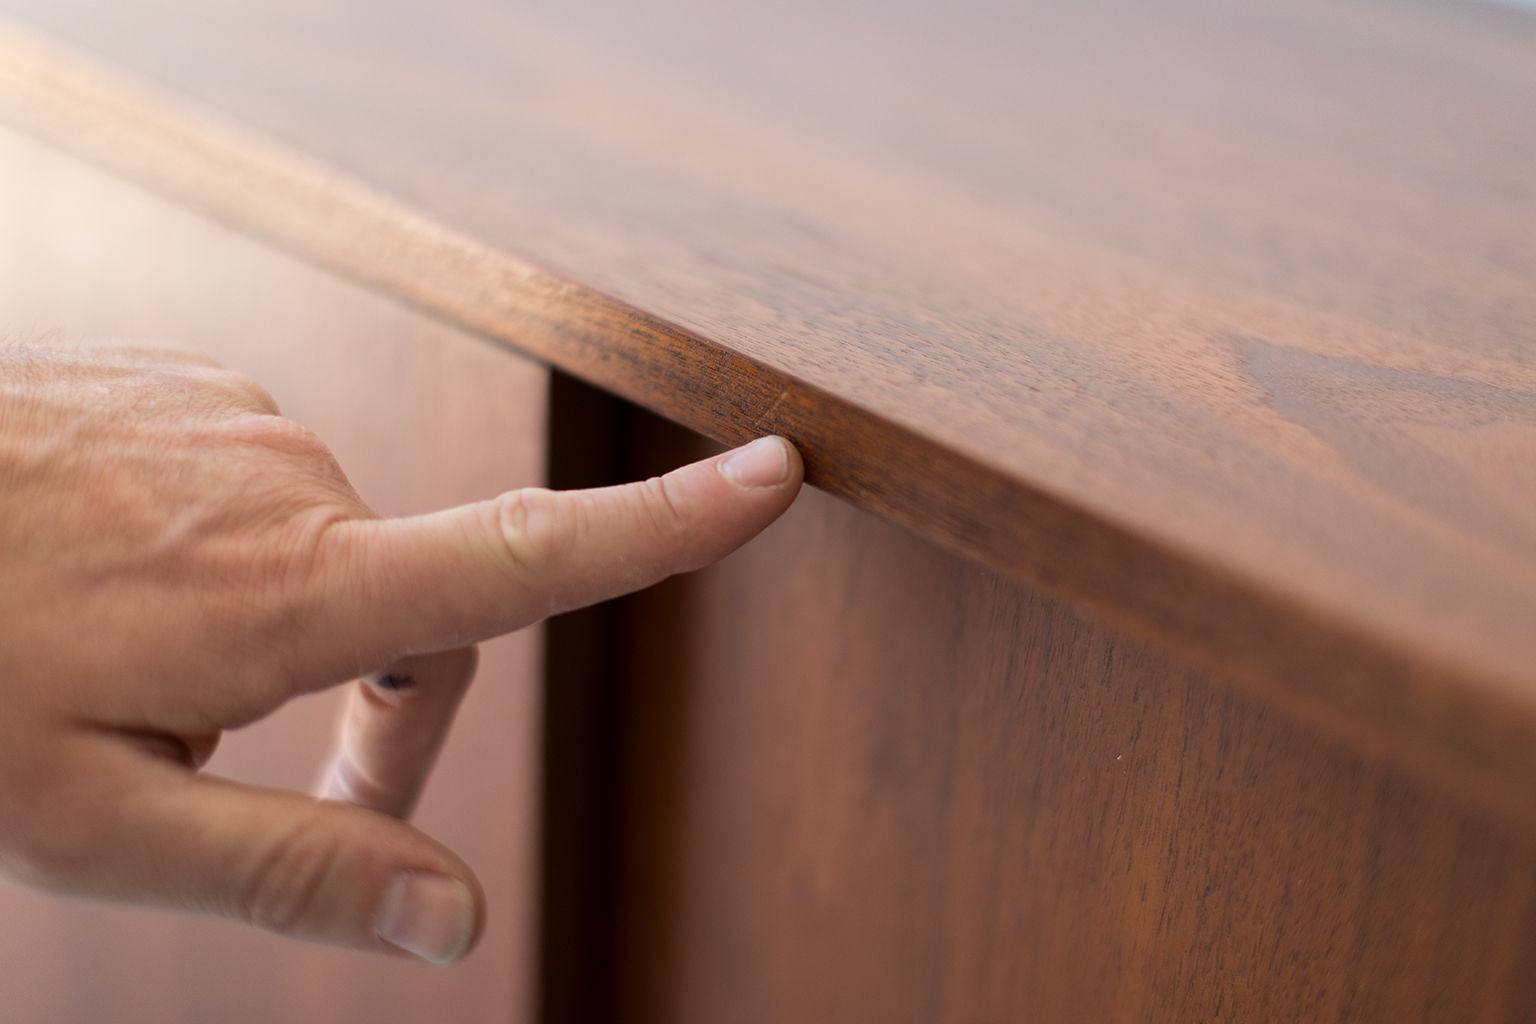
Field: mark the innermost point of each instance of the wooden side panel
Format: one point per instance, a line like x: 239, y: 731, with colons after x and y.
x: 421, y: 417
x: 866, y: 781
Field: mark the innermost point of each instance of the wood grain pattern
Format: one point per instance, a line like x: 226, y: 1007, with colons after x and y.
x: 83, y: 255
x: 865, y: 781
x: 1218, y: 322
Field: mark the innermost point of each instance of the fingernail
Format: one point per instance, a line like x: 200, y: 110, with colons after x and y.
x: 763, y: 463
x: 392, y: 681
x: 429, y: 915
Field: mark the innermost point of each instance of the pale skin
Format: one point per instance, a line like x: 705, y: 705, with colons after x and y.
x: 176, y: 559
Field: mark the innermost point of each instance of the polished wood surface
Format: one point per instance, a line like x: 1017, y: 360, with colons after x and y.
x: 83, y: 255
x: 1216, y: 321
x: 862, y: 780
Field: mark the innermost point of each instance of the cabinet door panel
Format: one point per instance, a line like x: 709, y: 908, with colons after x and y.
x: 861, y: 779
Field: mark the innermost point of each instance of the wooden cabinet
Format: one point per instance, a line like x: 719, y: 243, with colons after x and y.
x: 1156, y: 640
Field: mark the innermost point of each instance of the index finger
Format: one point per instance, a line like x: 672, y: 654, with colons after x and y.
x: 385, y: 589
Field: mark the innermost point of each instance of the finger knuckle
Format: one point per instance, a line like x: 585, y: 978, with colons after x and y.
x: 665, y: 513
x: 246, y: 390
x: 285, y: 436
x: 284, y: 887
x: 309, y: 464
x: 523, y: 519
x: 512, y: 516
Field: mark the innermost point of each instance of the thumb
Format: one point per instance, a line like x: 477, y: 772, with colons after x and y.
x: 309, y: 869
x: 383, y: 589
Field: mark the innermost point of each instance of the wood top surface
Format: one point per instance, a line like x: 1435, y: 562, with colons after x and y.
x: 1219, y: 319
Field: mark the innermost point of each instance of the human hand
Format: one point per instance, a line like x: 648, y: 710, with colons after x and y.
x: 177, y: 560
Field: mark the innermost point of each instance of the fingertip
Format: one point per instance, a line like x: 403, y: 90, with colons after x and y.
x: 433, y: 917
x: 766, y: 463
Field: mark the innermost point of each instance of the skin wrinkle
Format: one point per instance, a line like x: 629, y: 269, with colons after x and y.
x: 271, y: 899
x: 666, y: 508
x: 520, y: 521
